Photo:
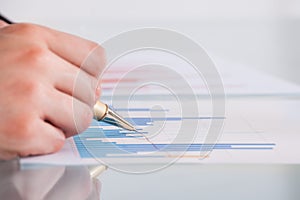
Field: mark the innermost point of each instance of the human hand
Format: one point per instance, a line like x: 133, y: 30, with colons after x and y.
x: 39, y: 70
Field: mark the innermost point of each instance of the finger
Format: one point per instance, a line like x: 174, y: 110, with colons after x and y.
x: 84, y: 87
x: 73, y: 81
x: 45, y: 139
x: 67, y: 113
x: 3, y: 24
x: 83, y: 53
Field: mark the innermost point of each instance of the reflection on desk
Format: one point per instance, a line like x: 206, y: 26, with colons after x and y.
x: 47, y: 182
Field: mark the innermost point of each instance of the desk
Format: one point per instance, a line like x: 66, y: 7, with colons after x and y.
x: 209, y: 181
x: 206, y: 182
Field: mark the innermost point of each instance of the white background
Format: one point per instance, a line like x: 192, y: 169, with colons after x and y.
x: 264, y: 34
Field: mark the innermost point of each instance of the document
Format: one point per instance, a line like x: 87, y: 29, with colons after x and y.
x: 238, y: 80
x: 260, y: 126
x: 265, y: 132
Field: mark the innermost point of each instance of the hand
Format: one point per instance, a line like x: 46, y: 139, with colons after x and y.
x: 39, y: 67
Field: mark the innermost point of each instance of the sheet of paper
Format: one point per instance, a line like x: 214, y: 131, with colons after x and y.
x: 256, y: 130
x: 238, y: 80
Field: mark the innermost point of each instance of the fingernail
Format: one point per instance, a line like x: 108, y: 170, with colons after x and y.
x: 98, y: 92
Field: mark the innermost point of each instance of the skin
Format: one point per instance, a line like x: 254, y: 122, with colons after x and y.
x: 39, y: 70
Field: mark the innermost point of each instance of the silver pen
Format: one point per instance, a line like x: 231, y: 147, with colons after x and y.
x: 103, y: 113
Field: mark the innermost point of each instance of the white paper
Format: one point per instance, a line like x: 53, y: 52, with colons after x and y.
x: 256, y: 130
x: 266, y: 125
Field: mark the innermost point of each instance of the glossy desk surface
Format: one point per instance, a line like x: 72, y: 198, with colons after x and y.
x: 207, y: 181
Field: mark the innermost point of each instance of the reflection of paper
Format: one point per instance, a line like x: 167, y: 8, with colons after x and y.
x: 257, y: 130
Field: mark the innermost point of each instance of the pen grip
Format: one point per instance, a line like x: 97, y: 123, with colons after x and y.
x: 100, y: 110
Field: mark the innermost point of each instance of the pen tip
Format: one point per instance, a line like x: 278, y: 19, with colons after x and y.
x: 133, y: 129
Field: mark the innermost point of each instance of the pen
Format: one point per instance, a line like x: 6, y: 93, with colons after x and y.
x: 101, y: 111
x: 5, y: 19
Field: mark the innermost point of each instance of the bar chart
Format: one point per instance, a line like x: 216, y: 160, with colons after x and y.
x: 102, y: 141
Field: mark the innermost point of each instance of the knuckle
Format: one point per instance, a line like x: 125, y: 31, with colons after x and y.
x: 35, y: 56
x: 25, y: 29
x: 32, y: 89
x: 24, y: 129
x: 27, y: 89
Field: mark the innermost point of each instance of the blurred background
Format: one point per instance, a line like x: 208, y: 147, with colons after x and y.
x: 262, y: 34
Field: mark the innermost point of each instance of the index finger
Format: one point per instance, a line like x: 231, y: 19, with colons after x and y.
x: 83, y: 53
